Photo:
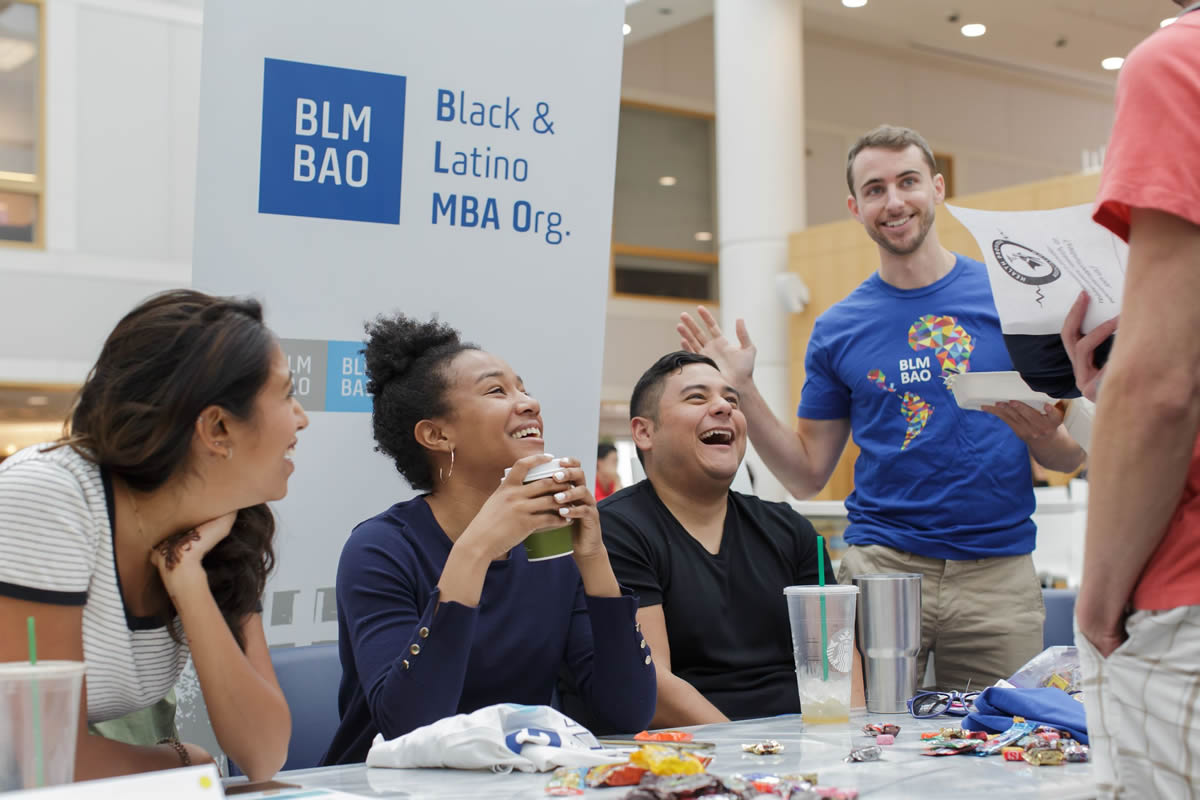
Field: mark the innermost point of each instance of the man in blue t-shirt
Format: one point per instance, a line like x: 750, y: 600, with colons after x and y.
x: 938, y: 490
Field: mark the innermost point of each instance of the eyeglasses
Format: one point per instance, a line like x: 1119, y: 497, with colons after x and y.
x: 924, y: 705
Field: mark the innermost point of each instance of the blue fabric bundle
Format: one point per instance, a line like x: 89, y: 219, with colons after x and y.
x: 995, y: 708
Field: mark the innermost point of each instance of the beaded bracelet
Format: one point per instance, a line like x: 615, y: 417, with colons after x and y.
x: 184, y: 758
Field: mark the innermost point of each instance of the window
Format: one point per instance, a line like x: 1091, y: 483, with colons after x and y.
x: 21, y: 122
x: 945, y: 165
x: 664, y: 219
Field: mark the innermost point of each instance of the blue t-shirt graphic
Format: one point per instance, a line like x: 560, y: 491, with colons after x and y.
x: 932, y: 479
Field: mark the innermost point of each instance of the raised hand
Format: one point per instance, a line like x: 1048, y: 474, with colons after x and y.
x: 736, y: 361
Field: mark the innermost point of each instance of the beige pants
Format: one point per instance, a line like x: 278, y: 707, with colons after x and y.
x: 982, y: 618
x: 1143, y: 707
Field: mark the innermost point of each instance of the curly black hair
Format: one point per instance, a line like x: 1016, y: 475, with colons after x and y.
x: 406, y: 377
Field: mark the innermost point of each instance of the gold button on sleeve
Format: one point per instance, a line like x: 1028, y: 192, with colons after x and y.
x: 423, y: 633
x: 643, y: 644
x: 405, y: 663
x: 415, y: 649
x: 647, y: 659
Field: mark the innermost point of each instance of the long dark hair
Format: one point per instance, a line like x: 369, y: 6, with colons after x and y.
x: 167, y: 360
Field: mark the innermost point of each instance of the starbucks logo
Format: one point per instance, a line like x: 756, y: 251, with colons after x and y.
x: 1024, y: 265
x: 840, y: 651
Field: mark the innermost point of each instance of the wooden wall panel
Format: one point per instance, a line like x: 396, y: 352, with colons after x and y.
x: 833, y: 259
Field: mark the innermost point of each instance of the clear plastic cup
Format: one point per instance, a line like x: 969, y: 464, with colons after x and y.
x: 39, y: 718
x: 823, y: 673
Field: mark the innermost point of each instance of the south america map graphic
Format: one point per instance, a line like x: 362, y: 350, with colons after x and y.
x: 952, y: 347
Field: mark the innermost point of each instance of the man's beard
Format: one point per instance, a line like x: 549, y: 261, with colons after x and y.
x: 880, y: 239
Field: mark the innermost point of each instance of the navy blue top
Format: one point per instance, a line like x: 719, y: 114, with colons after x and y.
x: 409, y: 660
x: 931, y: 478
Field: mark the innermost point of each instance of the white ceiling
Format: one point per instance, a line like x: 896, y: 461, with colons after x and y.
x: 1022, y: 34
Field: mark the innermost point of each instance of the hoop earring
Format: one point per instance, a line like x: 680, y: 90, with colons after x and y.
x: 451, y: 472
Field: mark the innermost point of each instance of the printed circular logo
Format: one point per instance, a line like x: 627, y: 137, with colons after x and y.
x: 1024, y: 265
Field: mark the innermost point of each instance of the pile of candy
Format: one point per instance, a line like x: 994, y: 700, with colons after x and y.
x: 667, y: 769
x: 1040, y: 746
x: 757, y: 786
x: 884, y: 734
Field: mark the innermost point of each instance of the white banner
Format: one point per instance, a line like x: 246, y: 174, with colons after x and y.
x: 362, y: 157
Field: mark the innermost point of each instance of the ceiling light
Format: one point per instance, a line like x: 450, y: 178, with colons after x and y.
x: 38, y: 400
x: 703, y: 236
x: 854, y: 3
x: 15, y: 52
x: 1112, y: 62
x: 1167, y: 22
x: 667, y: 180
x: 8, y: 451
x: 626, y: 29
x: 973, y: 29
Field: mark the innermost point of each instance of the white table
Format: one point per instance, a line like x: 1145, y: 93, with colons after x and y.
x: 903, y: 772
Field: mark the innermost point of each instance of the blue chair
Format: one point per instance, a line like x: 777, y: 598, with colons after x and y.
x: 309, y: 677
x: 1060, y: 617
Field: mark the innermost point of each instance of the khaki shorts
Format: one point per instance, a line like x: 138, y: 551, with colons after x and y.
x: 982, y: 618
x: 1143, y: 703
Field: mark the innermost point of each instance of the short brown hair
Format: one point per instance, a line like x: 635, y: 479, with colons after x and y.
x: 888, y: 137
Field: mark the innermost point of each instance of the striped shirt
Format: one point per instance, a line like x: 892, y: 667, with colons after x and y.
x: 56, y: 547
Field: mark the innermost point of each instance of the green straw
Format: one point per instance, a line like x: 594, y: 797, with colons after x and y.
x: 38, y: 770
x: 824, y: 623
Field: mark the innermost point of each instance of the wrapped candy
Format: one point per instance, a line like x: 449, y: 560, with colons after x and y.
x: 565, y: 782
x: 951, y: 747
x: 869, y: 753
x: 663, y: 736
x: 666, y: 760
x: 875, y: 729
x: 676, y: 787
x: 1073, y: 751
x: 614, y: 775
x: 1045, y: 756
x: 768, y: 747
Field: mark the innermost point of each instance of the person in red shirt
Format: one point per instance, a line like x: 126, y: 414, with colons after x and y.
x: 1138, y: 611
x: 607, y: 480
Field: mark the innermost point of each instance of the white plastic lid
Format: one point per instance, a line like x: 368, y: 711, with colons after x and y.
x: 540, y: 471
x: 833, y: 588
x: 43, y: 669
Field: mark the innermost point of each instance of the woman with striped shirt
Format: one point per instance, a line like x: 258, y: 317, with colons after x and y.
x: 143, y: 535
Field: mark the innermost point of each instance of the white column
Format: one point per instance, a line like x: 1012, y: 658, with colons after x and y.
x: 760, y: 181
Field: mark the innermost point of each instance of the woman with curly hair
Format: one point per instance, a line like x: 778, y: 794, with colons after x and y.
x: 143, y: 534
x: 440, y: 611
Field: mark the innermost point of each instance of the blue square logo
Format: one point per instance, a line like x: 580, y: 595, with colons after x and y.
x: 346, y: 378
x: 332, y: 142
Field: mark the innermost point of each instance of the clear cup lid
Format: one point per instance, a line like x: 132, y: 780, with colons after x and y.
x: 42, y: 669
x: 832, y: 588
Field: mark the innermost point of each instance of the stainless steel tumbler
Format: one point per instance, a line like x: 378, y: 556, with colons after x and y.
x: 889, y: 638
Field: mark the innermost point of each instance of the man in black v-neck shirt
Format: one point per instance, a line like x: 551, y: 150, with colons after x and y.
x: 709, y: 565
